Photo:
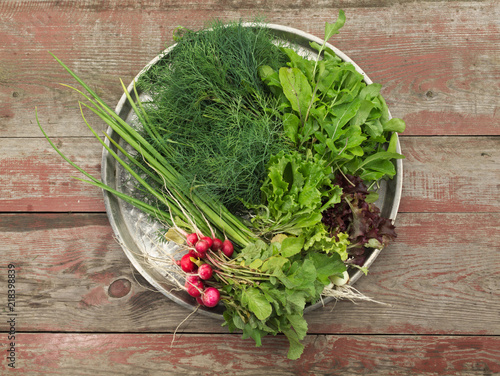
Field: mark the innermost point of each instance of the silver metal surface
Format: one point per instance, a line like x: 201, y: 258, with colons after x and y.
x: 136, y: 232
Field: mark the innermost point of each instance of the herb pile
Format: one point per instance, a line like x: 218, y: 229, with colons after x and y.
x: 263, y: 164
x: 209, y: 104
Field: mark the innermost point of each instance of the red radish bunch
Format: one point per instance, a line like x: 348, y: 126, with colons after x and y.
x: 200, y: 272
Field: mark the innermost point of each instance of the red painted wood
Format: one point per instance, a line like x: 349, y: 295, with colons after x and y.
x: 438, y: 64
x: 186, y: 354
x: 451, y: 174
x: 35, y: 178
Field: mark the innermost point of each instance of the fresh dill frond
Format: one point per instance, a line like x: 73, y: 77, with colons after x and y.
x: 210, y: 108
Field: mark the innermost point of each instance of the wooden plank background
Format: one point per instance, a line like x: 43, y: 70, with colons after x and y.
x: 83, y: 310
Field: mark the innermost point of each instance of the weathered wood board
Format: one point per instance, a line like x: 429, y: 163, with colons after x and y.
x: 190, y: 354
x: 437, y: 61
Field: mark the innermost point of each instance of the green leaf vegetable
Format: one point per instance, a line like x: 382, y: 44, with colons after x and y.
x: 241, y: 139
x: 328, y: 109
x: 288, y: 280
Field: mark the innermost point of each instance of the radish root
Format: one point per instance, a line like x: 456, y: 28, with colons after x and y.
x: 348, y: 292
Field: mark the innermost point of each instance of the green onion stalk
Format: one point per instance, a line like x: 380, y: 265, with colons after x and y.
x: 192, y: 207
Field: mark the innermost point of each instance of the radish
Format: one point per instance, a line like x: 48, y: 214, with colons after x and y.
x: 187, y: 264
x: 201, y: 248
x: 192, y: 239
x: 192, y: 278
x: 194, y: 287
x: 227, y: 248
x: 199, y: 300
x: 340, y: 281
x: 209, y: 240
x: 210, y: 297
x: 205, y: 271
x: 216, y: 244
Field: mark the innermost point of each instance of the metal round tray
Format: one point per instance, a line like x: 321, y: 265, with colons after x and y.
x: 135, y: 230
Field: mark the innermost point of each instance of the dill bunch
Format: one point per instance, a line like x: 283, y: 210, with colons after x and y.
x: 213, y: 112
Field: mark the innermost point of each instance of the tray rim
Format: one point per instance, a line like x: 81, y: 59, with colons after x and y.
x: 299, y: 37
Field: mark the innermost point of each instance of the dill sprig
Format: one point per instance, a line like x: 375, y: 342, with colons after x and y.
x: 212, y: 111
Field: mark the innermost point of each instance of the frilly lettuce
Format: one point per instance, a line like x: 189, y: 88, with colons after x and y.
x: 298, y: 188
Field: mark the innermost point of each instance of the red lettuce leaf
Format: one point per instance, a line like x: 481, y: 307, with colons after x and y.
x: 361, y: 220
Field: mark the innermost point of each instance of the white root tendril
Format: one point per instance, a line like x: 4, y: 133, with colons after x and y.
x: 159, y: 259
x: 182, y: 322
x: 349, y: 293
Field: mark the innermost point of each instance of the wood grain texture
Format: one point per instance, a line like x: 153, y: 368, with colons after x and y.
x: 438, y: 61
x: 444, y: 174
x: 35, y: 178
x: 451, y: 174
x: 156, y: 354
x: 441, y: 282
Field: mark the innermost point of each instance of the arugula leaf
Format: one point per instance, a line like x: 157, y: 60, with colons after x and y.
x: 393, y: 143
x: 291, y: 125
x: 394, y: 125
x: 364, y: 110
x: 381, y: 155
x: 332, y: 29
x: 297, y: 61
x: 370, y: 91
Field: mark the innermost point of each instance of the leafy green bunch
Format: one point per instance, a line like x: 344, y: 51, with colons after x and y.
x: 283, y: 281
x: 294, y: 194
x: 326, y: 107
x: 208, y: 104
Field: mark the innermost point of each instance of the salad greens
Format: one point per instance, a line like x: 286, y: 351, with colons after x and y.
x: 288, y: 280
x: 297, y: 190
x: 357, y: 219
x: 308, y: 139
x: 328, y: 109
